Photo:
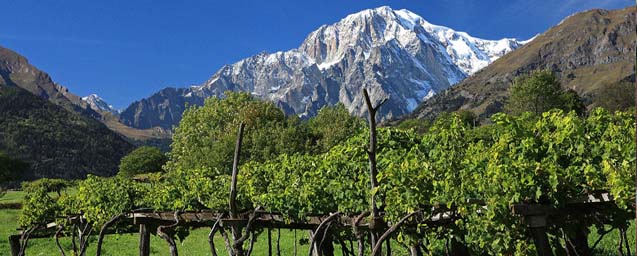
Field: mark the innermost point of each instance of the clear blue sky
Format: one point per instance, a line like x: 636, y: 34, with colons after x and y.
x: 126, y: 50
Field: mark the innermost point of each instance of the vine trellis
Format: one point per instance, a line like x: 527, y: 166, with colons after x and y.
x: 238, y: 228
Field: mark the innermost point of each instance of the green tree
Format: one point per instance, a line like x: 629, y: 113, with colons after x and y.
x: 333, y: 125
x: 572, y: 101
x: 142, y: 160
x: 206, y: 135
x: 11, y: 169
x: 539, y: 92
x: 620, y: 96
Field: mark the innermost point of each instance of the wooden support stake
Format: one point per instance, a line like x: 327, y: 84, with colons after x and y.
x: 537, y: 225
x: 278, y: 242
x: 269, y: 242
x: 144, y: 240
x: 235, y: 171
x: 295, y: 242
x: 14, y: 243
x: 373, y: 171
x: 236, y: 230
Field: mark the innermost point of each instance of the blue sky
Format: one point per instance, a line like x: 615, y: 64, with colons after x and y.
x: 126, y: 50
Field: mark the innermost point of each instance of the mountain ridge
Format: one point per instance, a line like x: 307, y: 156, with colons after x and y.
x: 389, y: 52
x: 589, y: 52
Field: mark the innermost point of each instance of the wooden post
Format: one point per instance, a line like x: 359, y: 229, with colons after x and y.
x: 14, y: 243
x: 235, y: 171
x: 371, y: 152
x: 144, y: 240
x: 236, y: 230
x: 278, y: 242
x: 537, y: 225
x: 269, y: 242
x: 373, y: 171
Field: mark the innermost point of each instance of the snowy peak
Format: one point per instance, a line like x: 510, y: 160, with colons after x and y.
x: 99, y: 104
x: 374, y: 27
x: 467, y: 52
x: 394, y: 54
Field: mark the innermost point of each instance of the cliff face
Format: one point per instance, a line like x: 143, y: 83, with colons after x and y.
x: 589, y: 52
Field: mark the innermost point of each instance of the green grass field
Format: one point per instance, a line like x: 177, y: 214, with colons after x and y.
x: 197, y: 242
x: 11, y: 197
x: 127, y: 244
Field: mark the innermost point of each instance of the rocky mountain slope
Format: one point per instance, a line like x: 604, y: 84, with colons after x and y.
x: 589, y: 51
x: 15, y: 70
x: 56, y: 142
x: 58, y: 133
x: 392, y: 53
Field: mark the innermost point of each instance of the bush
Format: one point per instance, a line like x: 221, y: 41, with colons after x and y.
x: 142, y: 160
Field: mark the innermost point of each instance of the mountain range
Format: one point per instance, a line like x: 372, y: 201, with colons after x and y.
x: 423, y: 70
x: 589, y: 51
x: 395, y: 54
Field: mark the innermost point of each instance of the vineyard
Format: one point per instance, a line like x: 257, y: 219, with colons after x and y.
x: 523, y: 185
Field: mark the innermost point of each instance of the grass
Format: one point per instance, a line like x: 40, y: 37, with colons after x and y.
x: 127, y: 244
x: 8, y: 225
x: 608, y: 245
x: 16, y: 196
x: 12, y: 197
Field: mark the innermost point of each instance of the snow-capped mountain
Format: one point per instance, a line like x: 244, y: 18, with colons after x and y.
x: 99, y: 104
x: 395, y: 54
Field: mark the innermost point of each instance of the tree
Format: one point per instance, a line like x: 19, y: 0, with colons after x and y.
x: 333, y: 125
x: 620, y: 96
x: 540, y: 92
x: 206, y: 135
x: 572, y: 101
x: 11, y: 169
x: 142, y: 160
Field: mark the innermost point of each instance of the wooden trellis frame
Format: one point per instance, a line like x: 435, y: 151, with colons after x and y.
x: 242, y: 224
x: 534, y: 215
